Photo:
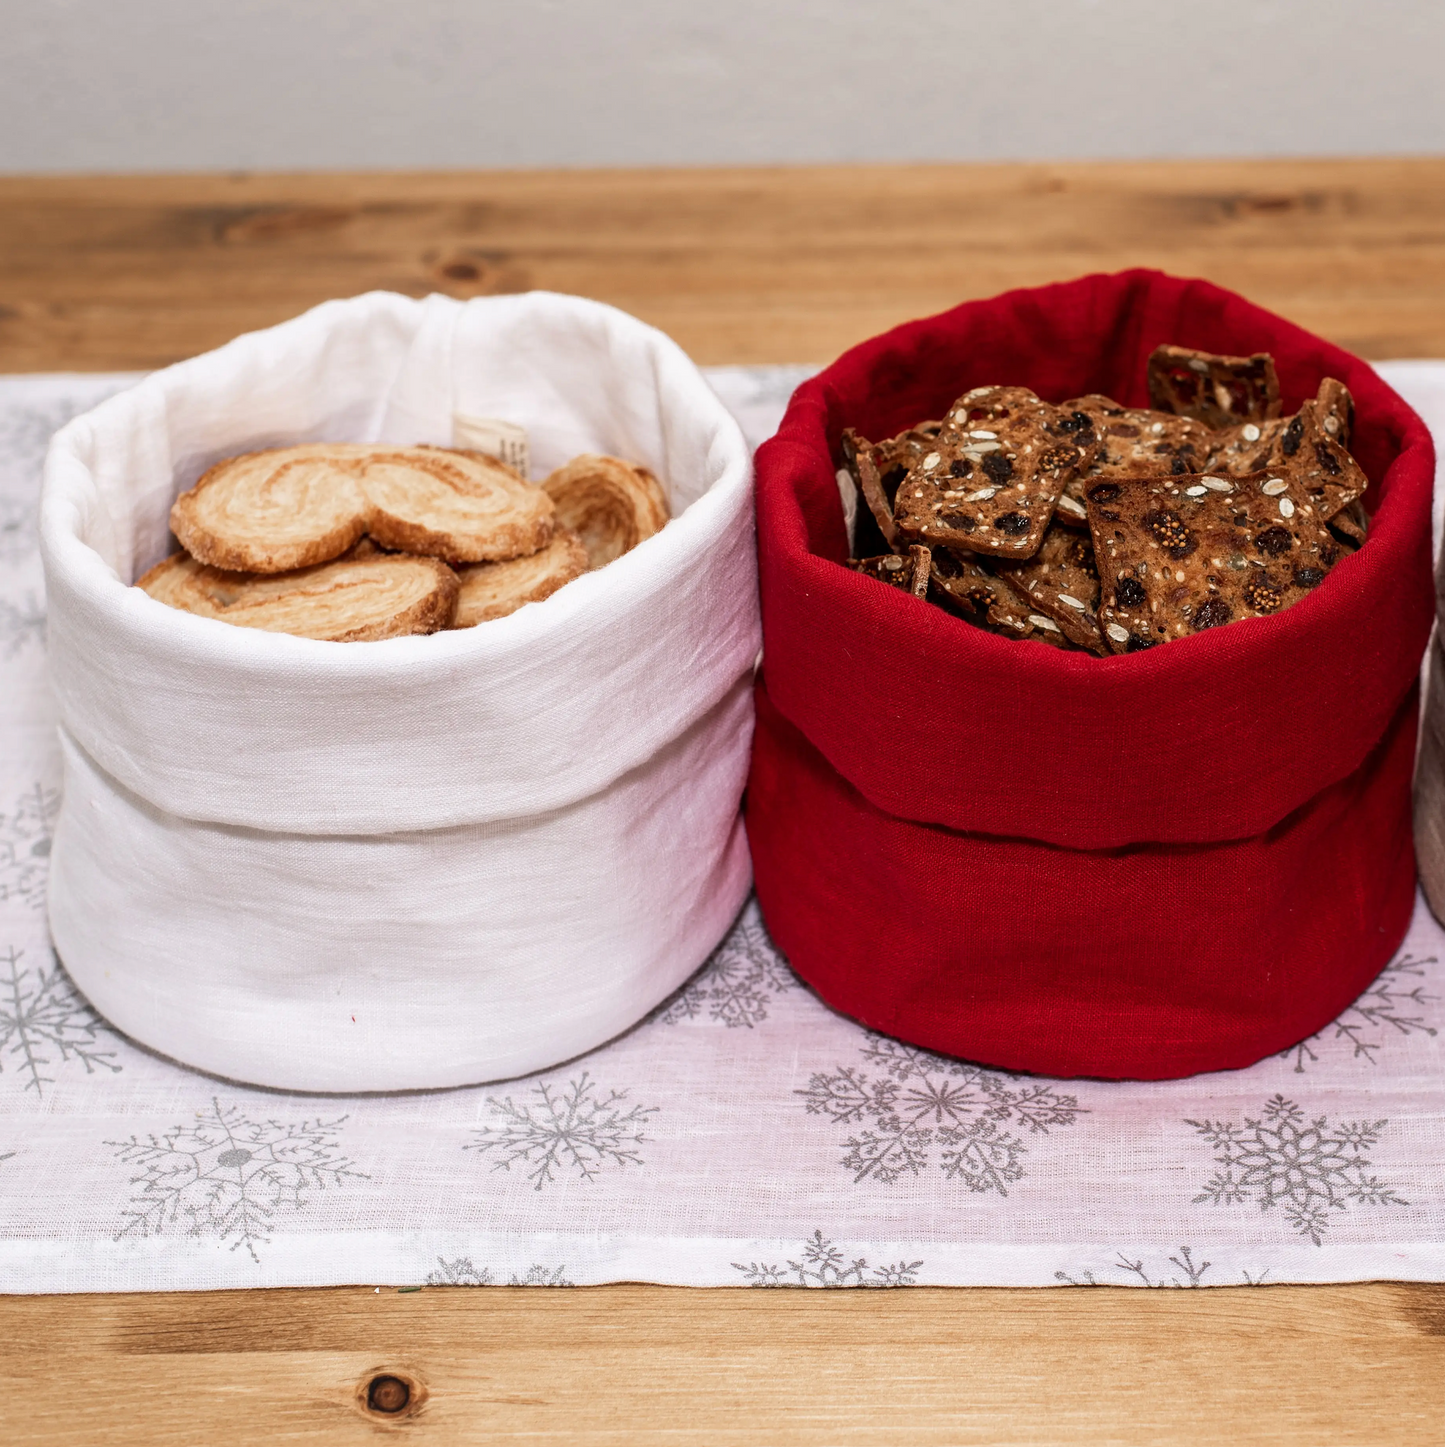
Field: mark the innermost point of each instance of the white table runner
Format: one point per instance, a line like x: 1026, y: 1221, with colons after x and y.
x: 744, y: 1135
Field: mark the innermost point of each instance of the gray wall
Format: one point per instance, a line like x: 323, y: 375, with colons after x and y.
x: 293, y: 84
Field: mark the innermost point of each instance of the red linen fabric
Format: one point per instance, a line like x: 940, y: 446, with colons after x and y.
x: 1141, y: 866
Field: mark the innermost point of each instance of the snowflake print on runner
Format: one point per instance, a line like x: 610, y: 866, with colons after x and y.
x: 461, y: 1272
x: 921, y: 1103
x: 576, y: 1129
x: 1398, y: 1000
x: 1309, y: 1167
x: 21, y: 624
x: 825, y: 1265
x: 1187, y: 1272
x: 738, y: 982
x: 45, y: 1023
x: 229, y: 1176
x: 25, y: 838
x: 17, y: 528
x: 25, y: 433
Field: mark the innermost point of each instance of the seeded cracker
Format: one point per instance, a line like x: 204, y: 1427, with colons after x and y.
x: 1334, y: 400
x: 1135, y: 442
x: 1247, y: 446
x: 1308, y: 451
x: 992, y: 479
x: 1312, y: 445
x: 1083, y: 420
x: 1219, y: 391
x: 879, y: 467
x: 964, y: 585
x: 909, y: 575
x: 1179, y: 555
x: 1061, y: 583
x: 1093, y: 411
x: 1307, y: 446
x: 1351, y: 525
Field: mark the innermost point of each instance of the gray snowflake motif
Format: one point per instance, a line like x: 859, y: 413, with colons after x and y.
x: 229, y: 1176
x: 1391, y: 1003
x: 25, y: 433
x: 738, y: 982
x: 1307, y: 1166
x: 25, y: 839
x: 1186, y: 1266
x: 575, y: 1128
x: 17, y: 528
x: 462, y: 1272
x: 922, y: 1102
x: 21, y: 624
x: 824, y: 1265
x: 46, y: 1022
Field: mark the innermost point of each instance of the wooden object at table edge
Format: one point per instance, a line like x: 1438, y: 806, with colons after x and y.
x: 738, y: 264
x: 636, y: 1364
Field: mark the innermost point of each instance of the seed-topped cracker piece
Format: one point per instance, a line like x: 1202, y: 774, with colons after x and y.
x: 1351, y: 525
x: 1097, y: 410
x: 1306, y: 446
x: 1309, y: 452
x: 991, y: 480
x: 1137, y: 442
x: 966, y: 585
x: 879, y: 467
x: 1247, y: 446
x: 1312, y: 445
x: 909, y: 575
x: 1217, y: 390
x: 1336, y: 410
x: 1083, y: 420
x: 1179, y: 555
x: 1060, y: 582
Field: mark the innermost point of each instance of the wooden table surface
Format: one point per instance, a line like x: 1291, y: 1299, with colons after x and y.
x: 740, y: 266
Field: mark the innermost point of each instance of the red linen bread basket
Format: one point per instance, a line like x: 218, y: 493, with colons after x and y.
x: 1132, y: 867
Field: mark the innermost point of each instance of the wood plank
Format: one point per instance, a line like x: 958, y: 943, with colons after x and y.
x: 651, y: 1365
x: 740, y: 265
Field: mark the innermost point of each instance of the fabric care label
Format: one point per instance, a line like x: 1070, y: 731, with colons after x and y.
x: 506, y: 441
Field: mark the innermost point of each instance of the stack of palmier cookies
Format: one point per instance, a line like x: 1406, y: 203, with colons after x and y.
x: 352, y: 542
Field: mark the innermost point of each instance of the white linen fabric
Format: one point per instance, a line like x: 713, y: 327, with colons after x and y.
x: 425, y: 861
x: 742, y: 1135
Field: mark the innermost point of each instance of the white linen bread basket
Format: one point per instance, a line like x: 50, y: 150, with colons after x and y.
x: 427, y: 861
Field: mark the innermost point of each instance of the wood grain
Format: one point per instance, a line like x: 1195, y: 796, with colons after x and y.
x: 739, y: 265
x: 639, y: 1365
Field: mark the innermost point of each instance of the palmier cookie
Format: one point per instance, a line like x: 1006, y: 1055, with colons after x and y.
x: 465, y: 507
x: 492, y: 590
x: 271, y: 512
x: 356, y: 599
x: 611, y: 505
